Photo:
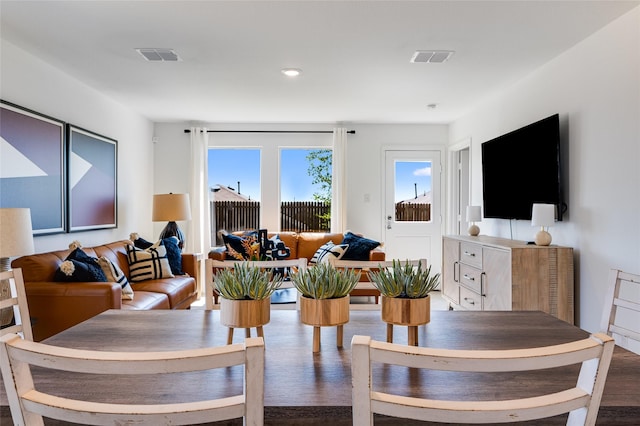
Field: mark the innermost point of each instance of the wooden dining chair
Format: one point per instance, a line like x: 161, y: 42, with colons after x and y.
x: 29, y: 405
x: 621, y: 315
x: 17, y: 301
x: 581, y: 401
x: 211, y: 296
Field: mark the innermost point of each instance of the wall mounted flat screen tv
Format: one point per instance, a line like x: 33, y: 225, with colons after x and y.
x: 521, y: 168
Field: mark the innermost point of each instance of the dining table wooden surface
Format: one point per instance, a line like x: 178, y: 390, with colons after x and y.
x: 316, y: 387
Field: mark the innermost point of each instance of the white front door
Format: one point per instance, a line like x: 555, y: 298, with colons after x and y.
x: 412, y: 227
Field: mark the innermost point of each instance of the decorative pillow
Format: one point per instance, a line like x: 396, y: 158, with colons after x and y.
x: 76, y: 271
x: 277, y: 250
x: 149, y: 264
x: 246, y: 247
x: 327, y: 249
x: 79, y: 267
x: 115, y: 275
x: 359, y: 247
x: 174, y: 254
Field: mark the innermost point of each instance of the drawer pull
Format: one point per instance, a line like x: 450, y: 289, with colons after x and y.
x: 469, y: 301
x: 468, y: 253
x: 468, y: 277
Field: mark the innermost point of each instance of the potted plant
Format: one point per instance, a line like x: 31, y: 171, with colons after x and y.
x: 324, y: 299
x: 245, y: 296
x: 405, y: 292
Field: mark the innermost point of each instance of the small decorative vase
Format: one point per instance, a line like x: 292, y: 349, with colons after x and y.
x: 245, y: 314
x: 324, y: 313
x: 409, y: 312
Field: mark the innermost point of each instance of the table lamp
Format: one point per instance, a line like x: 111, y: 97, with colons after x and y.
x: 16, y: 239
x: 474, y: 215
x: 543, y: 215
x: 171, y: 207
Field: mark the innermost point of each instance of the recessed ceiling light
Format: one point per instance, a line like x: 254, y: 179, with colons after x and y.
x: 432, y: 106
x: 291, y: 72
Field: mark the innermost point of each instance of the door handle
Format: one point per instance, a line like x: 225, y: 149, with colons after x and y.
x: 389, y: 222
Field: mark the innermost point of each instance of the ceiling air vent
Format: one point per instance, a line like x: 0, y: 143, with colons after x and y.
x: 431, y: 56
x: 158, y: 55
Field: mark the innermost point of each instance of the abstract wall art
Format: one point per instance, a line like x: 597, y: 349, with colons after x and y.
x: 33, y: 166
x: 92, y: 180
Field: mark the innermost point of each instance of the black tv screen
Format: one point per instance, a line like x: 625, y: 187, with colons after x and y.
x: 521, y: 168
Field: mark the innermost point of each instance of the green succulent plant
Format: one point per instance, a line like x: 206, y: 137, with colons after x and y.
x: 404, y: 280
x: 245, y: 282
x: 323, y: 281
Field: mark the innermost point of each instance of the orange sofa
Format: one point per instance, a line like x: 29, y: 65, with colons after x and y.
x: 56, y: 306
x: 304, y: 245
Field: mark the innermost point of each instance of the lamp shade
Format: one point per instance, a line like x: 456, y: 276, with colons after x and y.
x: 543, y: 214
x: 171, y: 207
x: 474, y: 214
x: 16, y: 234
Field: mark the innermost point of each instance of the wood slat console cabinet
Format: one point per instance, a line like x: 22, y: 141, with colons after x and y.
x: 498, y: 274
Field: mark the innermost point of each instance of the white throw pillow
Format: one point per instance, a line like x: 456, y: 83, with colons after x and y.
x: 322, y: 254
x: 114, y: 274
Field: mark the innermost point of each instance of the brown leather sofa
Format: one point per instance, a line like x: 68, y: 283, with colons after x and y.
x: 303, y: 244
x: 56, y: 306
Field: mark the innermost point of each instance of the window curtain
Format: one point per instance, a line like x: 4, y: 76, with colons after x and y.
x: 199, y: 233
x: 338, y: 204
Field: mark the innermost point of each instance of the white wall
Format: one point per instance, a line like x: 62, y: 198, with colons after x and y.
x: 364, y: 159
x: 595, y: 87
x: 27, y: 81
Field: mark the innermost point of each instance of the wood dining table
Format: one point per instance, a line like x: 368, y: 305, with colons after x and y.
x: 303, y: 387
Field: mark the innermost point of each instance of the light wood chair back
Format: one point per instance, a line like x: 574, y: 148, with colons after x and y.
x: 581, y: 401
x: 621, y: 315
x: 212, y: 265
x: 17, y: 301
x: 29, y: 405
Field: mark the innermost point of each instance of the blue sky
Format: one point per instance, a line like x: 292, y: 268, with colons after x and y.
x: 228, y: 166
x: 412, y: 175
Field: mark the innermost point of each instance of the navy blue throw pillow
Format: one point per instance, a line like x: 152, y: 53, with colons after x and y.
x: 174, y: 254
x: 80, y: 267
x: 359, y: 247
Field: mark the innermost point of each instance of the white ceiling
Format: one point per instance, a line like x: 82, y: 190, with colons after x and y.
x: 354, y: 54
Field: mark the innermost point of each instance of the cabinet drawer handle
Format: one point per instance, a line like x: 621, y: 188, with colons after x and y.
x: 467, y: 253
x: 469, y: 301
x: 468, y: 277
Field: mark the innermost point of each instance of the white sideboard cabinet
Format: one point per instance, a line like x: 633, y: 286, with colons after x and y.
x: 498, y: 274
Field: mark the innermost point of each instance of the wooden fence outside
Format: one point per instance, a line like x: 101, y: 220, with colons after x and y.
x: 305, y: 216
x: 297, y: 216
x: 413, y: 212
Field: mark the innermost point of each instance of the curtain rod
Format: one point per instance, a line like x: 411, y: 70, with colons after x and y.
x: 351, y: 132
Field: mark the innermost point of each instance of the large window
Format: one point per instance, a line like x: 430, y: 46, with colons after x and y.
x: 290, y: 192
x: 234, y: 189
x: 305, y: 189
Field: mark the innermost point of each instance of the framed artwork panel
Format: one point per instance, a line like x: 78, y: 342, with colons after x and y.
x: 33, y: 166
x: 92, y: 180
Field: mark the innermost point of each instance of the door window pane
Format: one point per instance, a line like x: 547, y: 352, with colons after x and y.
x: 412, y: 191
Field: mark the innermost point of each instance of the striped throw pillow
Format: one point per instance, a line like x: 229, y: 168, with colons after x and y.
x: 148, y: 264
x: 115, y: 275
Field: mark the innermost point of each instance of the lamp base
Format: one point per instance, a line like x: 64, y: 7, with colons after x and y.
x: 543, y: 238
x: 474, y: 230
x: 172, y: 230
